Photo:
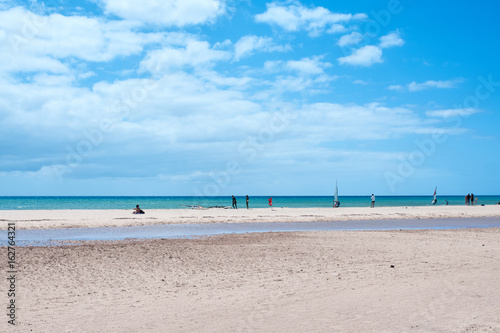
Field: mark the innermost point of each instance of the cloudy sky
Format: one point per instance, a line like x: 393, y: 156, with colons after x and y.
x: 216, y: 97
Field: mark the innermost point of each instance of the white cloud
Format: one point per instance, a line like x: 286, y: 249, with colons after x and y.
x: 335, y: 29
x: 369, y: 54
x: 30, y: 63
x: 448, y: 113
x: 220, y: 80
x: 304, y: 66
x: 308, y: 66
x: 167, y: 12
x: 360, y: 82
x: 177, y: 111
x: 43, y: 39
x: 86, y: 75
x: 305, y: 76
x: 286, y: 18
x: 396, y: 87
x: 324, y: 122
x: 247, y: 45
x: 430, y: 84
x: 391, y: 40
x: 179, y: 118
x: 194, y: 54
x: 316, y: 20
x: 47, y: 171
x: 350, y: 39
x: 302, y: 84
x: 44, y: 79
x: 194, y: 175
x: 182, y: 125
x: 448, y: 84
x: 364, y: 56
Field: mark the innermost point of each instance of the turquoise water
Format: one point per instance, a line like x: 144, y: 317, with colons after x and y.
x: 180, y: 202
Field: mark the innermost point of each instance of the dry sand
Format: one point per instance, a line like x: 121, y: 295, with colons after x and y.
x: 335, y: 281
x: 36, y: 219
x: 328, y: 281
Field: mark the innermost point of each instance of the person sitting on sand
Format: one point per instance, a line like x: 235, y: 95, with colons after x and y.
x: 137, y: 210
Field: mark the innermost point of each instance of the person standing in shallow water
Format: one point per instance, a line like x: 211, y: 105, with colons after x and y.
x: 373, y: 201
x: 247, y: 199
x: 234, y: 203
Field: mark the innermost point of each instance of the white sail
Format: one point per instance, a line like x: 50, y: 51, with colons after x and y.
x: 336, y: 201
x: 434, y: 198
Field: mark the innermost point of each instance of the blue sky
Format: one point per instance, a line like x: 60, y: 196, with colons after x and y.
x: 213, y: 97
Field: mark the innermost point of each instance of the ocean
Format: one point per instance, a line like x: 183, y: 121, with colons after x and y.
x: 180, y: 202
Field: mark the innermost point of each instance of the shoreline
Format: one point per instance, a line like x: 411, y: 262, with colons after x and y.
x: 49, y: 219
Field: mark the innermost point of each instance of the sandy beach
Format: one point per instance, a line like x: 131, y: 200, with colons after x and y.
x: 322, y: 281
x: 336, y: 281
x: 37, y: 219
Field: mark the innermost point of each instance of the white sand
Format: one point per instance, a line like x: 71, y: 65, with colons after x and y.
x: 333, y: 281
x: 35, y: 219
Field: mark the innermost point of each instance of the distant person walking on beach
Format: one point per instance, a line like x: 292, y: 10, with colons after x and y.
x: 234, y: 203
x: 472, y: 199
x: 247, y: 199
x: 467, y: 199
x: 373, y: 201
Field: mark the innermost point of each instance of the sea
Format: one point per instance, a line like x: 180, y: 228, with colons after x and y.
x: 183, y: 202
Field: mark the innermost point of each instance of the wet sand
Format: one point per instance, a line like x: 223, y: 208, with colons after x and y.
x: 327, y: 281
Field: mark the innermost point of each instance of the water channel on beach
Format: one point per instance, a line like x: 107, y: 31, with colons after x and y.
x: 48, y: 237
